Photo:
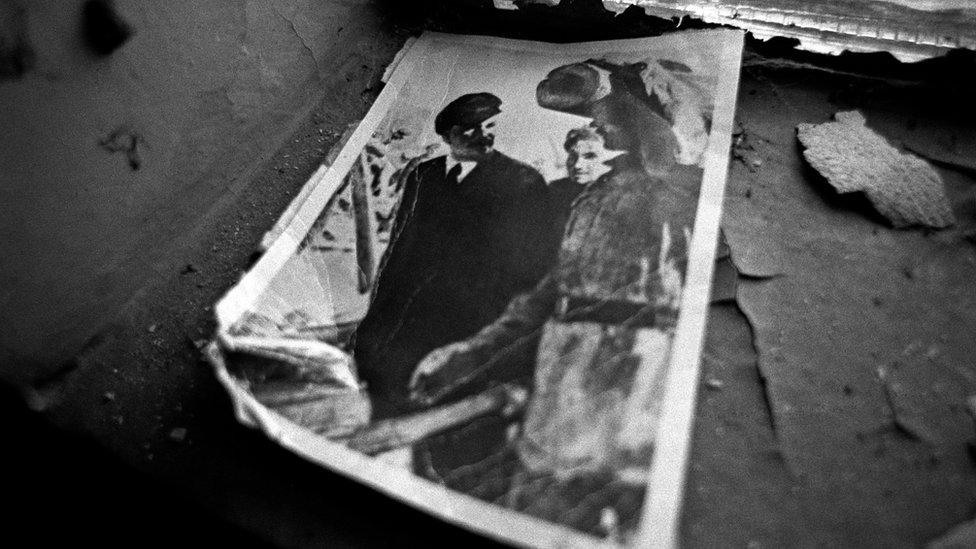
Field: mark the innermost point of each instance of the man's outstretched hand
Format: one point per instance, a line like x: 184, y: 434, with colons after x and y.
x: 440, y: 372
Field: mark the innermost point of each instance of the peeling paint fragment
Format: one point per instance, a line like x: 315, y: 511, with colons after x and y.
x: 901, y: 186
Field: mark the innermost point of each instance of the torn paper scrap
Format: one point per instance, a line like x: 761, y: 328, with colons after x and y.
x: 910, y: 30
x: 901, y: 186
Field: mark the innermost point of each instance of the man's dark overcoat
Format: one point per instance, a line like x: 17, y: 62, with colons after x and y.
x: 459, y: 252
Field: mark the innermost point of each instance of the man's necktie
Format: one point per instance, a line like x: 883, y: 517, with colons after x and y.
x: 453, y: 174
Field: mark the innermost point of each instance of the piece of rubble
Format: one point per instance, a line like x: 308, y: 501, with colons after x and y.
x: 714, y: 384
x: 901, y: 186
x: 178, y: 434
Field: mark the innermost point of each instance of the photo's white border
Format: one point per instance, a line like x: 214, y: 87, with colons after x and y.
x: 239, y: 299
x: 662, y: 507
x: 660, y: 524
x: 455, y: 507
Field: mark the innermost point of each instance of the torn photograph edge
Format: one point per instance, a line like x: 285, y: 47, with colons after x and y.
x: 661, y: 512
x: 825, y: 27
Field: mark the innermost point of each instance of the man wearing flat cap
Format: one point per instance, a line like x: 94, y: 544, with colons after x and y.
x: 472, y: 230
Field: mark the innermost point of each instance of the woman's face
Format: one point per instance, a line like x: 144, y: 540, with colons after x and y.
x: 587, y: 160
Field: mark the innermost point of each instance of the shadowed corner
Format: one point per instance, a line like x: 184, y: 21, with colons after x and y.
x: 64, y: 489
x: 103, y: 28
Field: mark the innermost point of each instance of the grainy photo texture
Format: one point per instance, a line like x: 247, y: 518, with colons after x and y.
x: 485, y: 294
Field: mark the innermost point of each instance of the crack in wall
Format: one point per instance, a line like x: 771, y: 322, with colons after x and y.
x: 291, y: 24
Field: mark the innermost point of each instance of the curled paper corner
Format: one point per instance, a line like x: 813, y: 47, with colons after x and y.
x: 853, y: 158
x: 247, y: 410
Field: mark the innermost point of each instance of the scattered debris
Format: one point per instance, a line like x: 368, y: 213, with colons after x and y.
x: 902, y: 187
x: 189, y: 268
x: 178, y: 434
x: 125, y: 141
x: 313, y: 181
x: 743, y: 150
x: 714, y: 384
x: 103, y: 27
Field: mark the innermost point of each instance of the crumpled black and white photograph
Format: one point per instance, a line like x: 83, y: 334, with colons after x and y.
x: 489, y: 296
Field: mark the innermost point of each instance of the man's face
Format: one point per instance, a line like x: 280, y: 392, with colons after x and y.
x: 472, y: 143
x: 587, y: 160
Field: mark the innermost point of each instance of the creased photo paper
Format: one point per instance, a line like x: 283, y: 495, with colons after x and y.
x: 491, y: 305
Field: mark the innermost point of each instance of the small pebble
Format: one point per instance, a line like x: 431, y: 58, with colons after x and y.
x: 178, y: 434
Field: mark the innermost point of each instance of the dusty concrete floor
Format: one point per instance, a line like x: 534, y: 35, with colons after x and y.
x: 141, y: 377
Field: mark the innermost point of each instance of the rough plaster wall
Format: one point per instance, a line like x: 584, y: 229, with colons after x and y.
x: 207, y: 88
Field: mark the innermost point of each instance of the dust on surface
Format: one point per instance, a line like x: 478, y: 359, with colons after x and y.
x: 863, y: 340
